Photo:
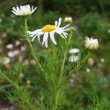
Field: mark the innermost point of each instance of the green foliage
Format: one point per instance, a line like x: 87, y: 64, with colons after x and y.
x: 90, y: 90
x: 89, y: 23
x: 78, y: 7
x: 93, y: 25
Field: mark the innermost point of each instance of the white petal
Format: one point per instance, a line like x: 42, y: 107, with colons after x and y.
x: 38, y: 38
x: 23, y: 10
x: 14, y: 12
x: 32, y: 33
x: 60, y: 33
x: 64, y: 34
x: 46, y: 43
x: 74, y: 51
x: 45, y: 37
x: 34, y: 38
x: 56, y: 23
x: 59, y: 22
x: 66, y: 26
x: 52, y: 38
x: 34, y: 9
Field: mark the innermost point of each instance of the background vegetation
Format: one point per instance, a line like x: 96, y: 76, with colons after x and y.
x: 87, y: 89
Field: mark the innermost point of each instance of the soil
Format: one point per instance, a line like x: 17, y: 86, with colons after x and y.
x: 6, y: 105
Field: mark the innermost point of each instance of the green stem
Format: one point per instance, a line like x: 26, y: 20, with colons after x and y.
x: 31, y: 47
x: 78, y: 66
x: 75, y: 69
x: 63, y: 63
x: 56, y: 100
x: 65, y: 53
x: 23, y: 97
x: 57, y: 89
x: 8, y: 79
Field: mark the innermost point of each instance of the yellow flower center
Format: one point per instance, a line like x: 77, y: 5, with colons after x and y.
x: 48, y: 28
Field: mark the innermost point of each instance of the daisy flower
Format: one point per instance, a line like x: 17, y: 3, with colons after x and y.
x: 23, y: 10
x: 91, y: 43
x: 73, y: 58
x: 74, y: 51
x: 5, y: 60
x: 11, y: 54
x: 74, y: 55
x: 49, y: 31
x: 9, y: 46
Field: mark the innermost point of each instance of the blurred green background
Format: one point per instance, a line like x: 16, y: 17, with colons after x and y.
x: 71, y: 7
x: 91, y: 89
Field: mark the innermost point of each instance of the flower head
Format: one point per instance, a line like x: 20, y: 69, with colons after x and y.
x: 11, y: 54
x: 88, y: 70
x: 90, y: 61
x: 102, y: 60
x: 73, y: 58
x: 91, y: 43
x: 68, y: 19
x: 5, y: 60
x: 17, y: 43
x: 23, y: 10
x: 9, y: 46
x: 74, y: 51
x: 49, y: 31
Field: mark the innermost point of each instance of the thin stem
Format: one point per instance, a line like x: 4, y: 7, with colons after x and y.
x: 32, y: 50
x: 63, y: 62
x: 8, y: 79
x: 78, y: 66
x: 57, y: 89
x: 23, y: 97
x: 56, y: 100
x: 75, y: 69
x: 64, y: 58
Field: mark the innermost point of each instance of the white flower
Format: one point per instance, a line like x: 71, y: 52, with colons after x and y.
x: 73, y: 58
x: 5, y: 60
x: 49, y: 30
x: 88, y: 70
x: 74, y: 55
x: 16, y: 52
x: 68, y: 19
x: 11, y: 54
x: 17, y: 43
x: 74, y: 51
x: 23, y: 10
x: 91, y: 43
x: 23, y: 48
x: 21, y: 75
x: 9, y: 46
x: 102, y: 60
